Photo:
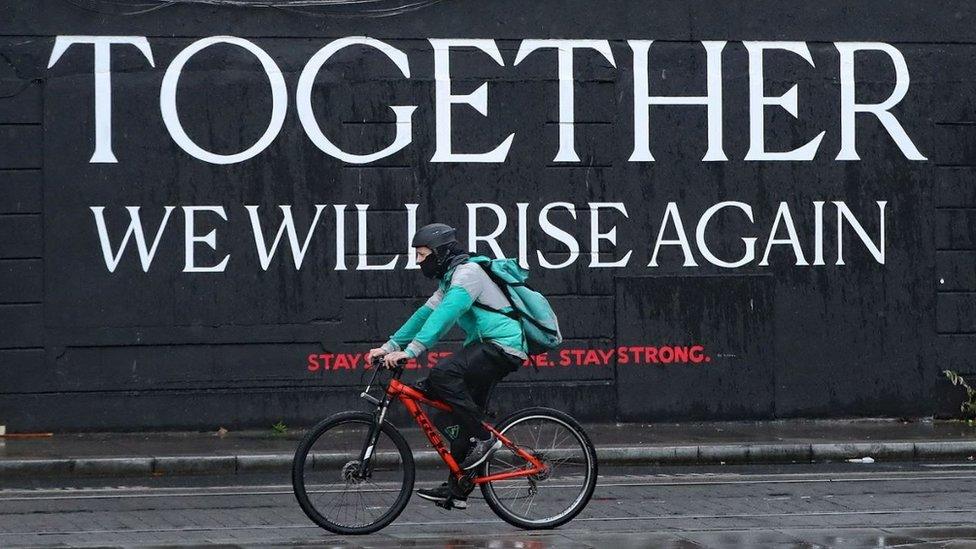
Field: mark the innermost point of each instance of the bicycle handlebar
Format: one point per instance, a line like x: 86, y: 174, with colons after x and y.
x: 377, y: 364
x: 378, y: 361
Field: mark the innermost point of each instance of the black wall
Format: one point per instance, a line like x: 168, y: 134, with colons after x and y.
x: 84, y: 348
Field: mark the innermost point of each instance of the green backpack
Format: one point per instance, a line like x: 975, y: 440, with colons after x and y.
x: 531, y: 308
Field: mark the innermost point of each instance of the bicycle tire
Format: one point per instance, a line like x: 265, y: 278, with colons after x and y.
x: 298, y: 473
x: 592, y: 469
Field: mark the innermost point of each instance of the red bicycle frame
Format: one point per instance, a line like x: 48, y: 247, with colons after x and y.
x: 412, y: 399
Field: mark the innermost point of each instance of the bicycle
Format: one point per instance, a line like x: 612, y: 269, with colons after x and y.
x: 354, y: 472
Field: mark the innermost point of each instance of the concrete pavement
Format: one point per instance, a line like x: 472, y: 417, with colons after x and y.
x: 908, y: 505
x: 126, y: 454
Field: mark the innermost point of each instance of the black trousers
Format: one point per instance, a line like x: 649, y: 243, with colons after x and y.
x: 464, y: 381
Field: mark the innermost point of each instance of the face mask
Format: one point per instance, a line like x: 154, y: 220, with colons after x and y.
x: 429, y: 266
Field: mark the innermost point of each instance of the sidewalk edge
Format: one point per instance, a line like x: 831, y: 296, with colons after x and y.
x: 707, y: 454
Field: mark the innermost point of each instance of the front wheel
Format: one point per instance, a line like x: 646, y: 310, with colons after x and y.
x: 554, y: 496
x: 333, y: 487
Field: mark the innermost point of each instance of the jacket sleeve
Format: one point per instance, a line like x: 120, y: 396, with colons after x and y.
x: 413, y: 324
x: 465, y: 289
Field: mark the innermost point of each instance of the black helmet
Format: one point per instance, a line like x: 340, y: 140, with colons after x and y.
x: 433, y: 236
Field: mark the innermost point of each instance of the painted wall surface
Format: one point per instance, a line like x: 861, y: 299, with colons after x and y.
x: 740, y: 210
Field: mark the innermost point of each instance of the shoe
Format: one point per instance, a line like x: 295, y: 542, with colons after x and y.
x: 481, y: 451
x: 443, y: 497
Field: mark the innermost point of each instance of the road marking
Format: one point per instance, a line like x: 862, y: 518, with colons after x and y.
x: 488, y: 521
x: 285, y: 489
x: 614, y: 480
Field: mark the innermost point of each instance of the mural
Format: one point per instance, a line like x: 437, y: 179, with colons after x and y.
x: 206, y: 211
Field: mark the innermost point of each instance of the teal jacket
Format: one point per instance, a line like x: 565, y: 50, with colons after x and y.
x: 451, y: 303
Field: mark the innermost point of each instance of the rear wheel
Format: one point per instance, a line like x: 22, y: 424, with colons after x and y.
x: 331, y: 485
x: 557, y: 494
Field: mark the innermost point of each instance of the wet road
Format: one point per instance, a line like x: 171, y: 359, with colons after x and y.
x: 905, y: 505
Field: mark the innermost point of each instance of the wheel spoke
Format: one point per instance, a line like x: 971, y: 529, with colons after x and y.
x: 334, y: 491
x: 560, y: 490
x: 566, y: 436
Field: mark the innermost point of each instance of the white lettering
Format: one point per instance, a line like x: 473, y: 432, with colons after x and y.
x: 758, y: 102
x: 671, y: 212
x: 103, y: 84
x: 135, y: 229
x: 818, y: 247
x: 306, y: 115
x: 340, y: 237
x: 876, y: 250
x: 642, y: 100
x: 478, y: 99
x: 363, y: 264
x: 849, y: 106
x: 287, y: 226
x: 703, y: 245
x: 490, y: 239
x: 523, y: 236
x: 167, y: 101
x: 558, y: 234
x: 611, y: 236
x: 411, y: 229
x: 565, y: 48
x: 190, y: 239
x: 783, y: 213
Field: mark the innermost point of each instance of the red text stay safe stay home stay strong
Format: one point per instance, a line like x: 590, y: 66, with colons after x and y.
x: 570, y: 357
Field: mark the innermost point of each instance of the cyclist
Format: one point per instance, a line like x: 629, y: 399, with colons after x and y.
x: 494, y: 347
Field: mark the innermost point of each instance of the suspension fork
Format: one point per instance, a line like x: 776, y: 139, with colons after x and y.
x: 369, y: 445
x: 379, y: 415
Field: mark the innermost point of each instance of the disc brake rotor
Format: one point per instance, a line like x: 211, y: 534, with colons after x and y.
x: 351, y: 473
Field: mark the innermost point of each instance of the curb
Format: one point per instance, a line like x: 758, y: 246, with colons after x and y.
x: 709, y: 454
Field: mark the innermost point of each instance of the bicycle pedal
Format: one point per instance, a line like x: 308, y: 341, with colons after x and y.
x: 446, y: 504
x: 451, y: 504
